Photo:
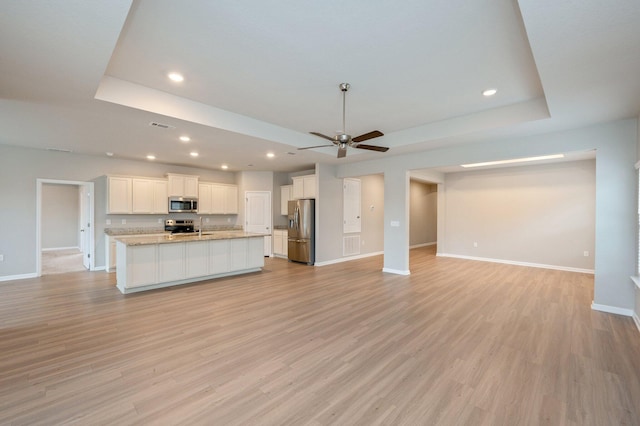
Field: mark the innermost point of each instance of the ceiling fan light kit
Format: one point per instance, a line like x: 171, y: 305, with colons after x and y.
x: 343, y: 140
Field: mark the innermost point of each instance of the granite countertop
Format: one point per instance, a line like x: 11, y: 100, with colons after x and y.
x: 180, y: 238
x: 132, y: 231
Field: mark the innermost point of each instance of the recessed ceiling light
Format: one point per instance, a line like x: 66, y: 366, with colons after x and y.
x: 489, y: 92
x: 224, y: 167
x: 515, y: 160
x: 185, y: 138
x: 270, y: 154
x: 151, y: 157
x: 109, y: 154
x: 177, y: 77
x: 193, y: 154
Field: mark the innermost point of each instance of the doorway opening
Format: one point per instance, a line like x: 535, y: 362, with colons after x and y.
x: 64, y: 234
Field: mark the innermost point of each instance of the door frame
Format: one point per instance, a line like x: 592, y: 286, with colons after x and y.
x: 89, y: 187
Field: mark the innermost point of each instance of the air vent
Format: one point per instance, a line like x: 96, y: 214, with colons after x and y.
x: 59, y: 150
x: 161, y: 125
x: 350, y: 245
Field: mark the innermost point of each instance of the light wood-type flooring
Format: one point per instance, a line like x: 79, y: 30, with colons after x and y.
x: 457, y: 342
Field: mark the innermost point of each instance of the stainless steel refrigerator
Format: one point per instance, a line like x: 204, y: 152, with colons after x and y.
x: 301, y: 235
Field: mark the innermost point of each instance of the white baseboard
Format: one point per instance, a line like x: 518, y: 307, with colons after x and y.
x: 347, y: 259
x: 612, y: 309
x: 513, y: 262
x: 61, y: 248
x: 396, y: 271
x: 18, y: 277
x: 422, y: 245
x: 636, y: 319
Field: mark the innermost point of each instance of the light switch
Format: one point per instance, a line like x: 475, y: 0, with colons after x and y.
x: 395, y: 223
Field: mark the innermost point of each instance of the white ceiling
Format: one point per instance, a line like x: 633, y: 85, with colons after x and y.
x: 259, y: 75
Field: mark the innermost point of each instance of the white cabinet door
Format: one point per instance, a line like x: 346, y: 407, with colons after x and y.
x: 238, y: 254
x: 171, y: 262
x: 160, y: 197
x: 197, y: 258
x: 190, y: 186
x: 204, y: 198
x: 277, y: 243
x: 298, y: 188
x: 176, y: 185
x: 219, y: 257
x: 309, y: 185
x: 280, y: 243
x: 142, y: 196
x: 149, y: 196
x: 285, y: 196
x: 254, y: 254
x: 182, y: 185
x: 231, y: 204
x: 142, y: 265
x: 119, y: 195
x: 304, y: 187
x: 218, y: 199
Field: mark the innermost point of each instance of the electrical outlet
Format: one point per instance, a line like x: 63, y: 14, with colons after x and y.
x: 586, y: 253
x: 475, y: 244
x: 229, y: 219
x: 108, y: 221
x: 124, y: 221
x: 159, y: 220
x: 207, y: 220
x: 1, y: 257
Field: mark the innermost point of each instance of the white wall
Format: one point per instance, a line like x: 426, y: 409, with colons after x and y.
x: 60, y: 216
x: 616, y: 210
x: 19, y: 169
x: 541, y: 214
x: 372, y: 213
x: 423, y: 215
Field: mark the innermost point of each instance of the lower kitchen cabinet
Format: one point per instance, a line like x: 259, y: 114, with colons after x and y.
x: 154, y: 265
x: 171, y: 262
x: 145, y: 265
x: 197, y: 258
x: 280, y: 244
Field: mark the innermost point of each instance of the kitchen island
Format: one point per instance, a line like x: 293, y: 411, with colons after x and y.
x: 150, y: 262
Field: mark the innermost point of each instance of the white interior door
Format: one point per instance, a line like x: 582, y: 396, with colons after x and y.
x: 258, y: 216
x: 352, y: 221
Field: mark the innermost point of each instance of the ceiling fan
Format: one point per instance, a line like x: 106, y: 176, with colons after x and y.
x: 342, y: 140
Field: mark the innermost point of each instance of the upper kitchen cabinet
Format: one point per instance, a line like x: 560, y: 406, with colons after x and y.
x: 149, y: 196
x: 304, y: 187
x: 217, y: 198
x: 119, y: 199
x: 137, y: 195
x: 182, y: 185
x: 285, y: 196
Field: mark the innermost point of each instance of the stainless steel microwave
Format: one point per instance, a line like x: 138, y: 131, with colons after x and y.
x: 183, y: 205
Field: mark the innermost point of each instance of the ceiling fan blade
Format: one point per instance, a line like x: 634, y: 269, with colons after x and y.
x: 342, y: 151
x: 323, y: 136
x: 372, y: 147
x: 317, y: 146
x: 367, y: 136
